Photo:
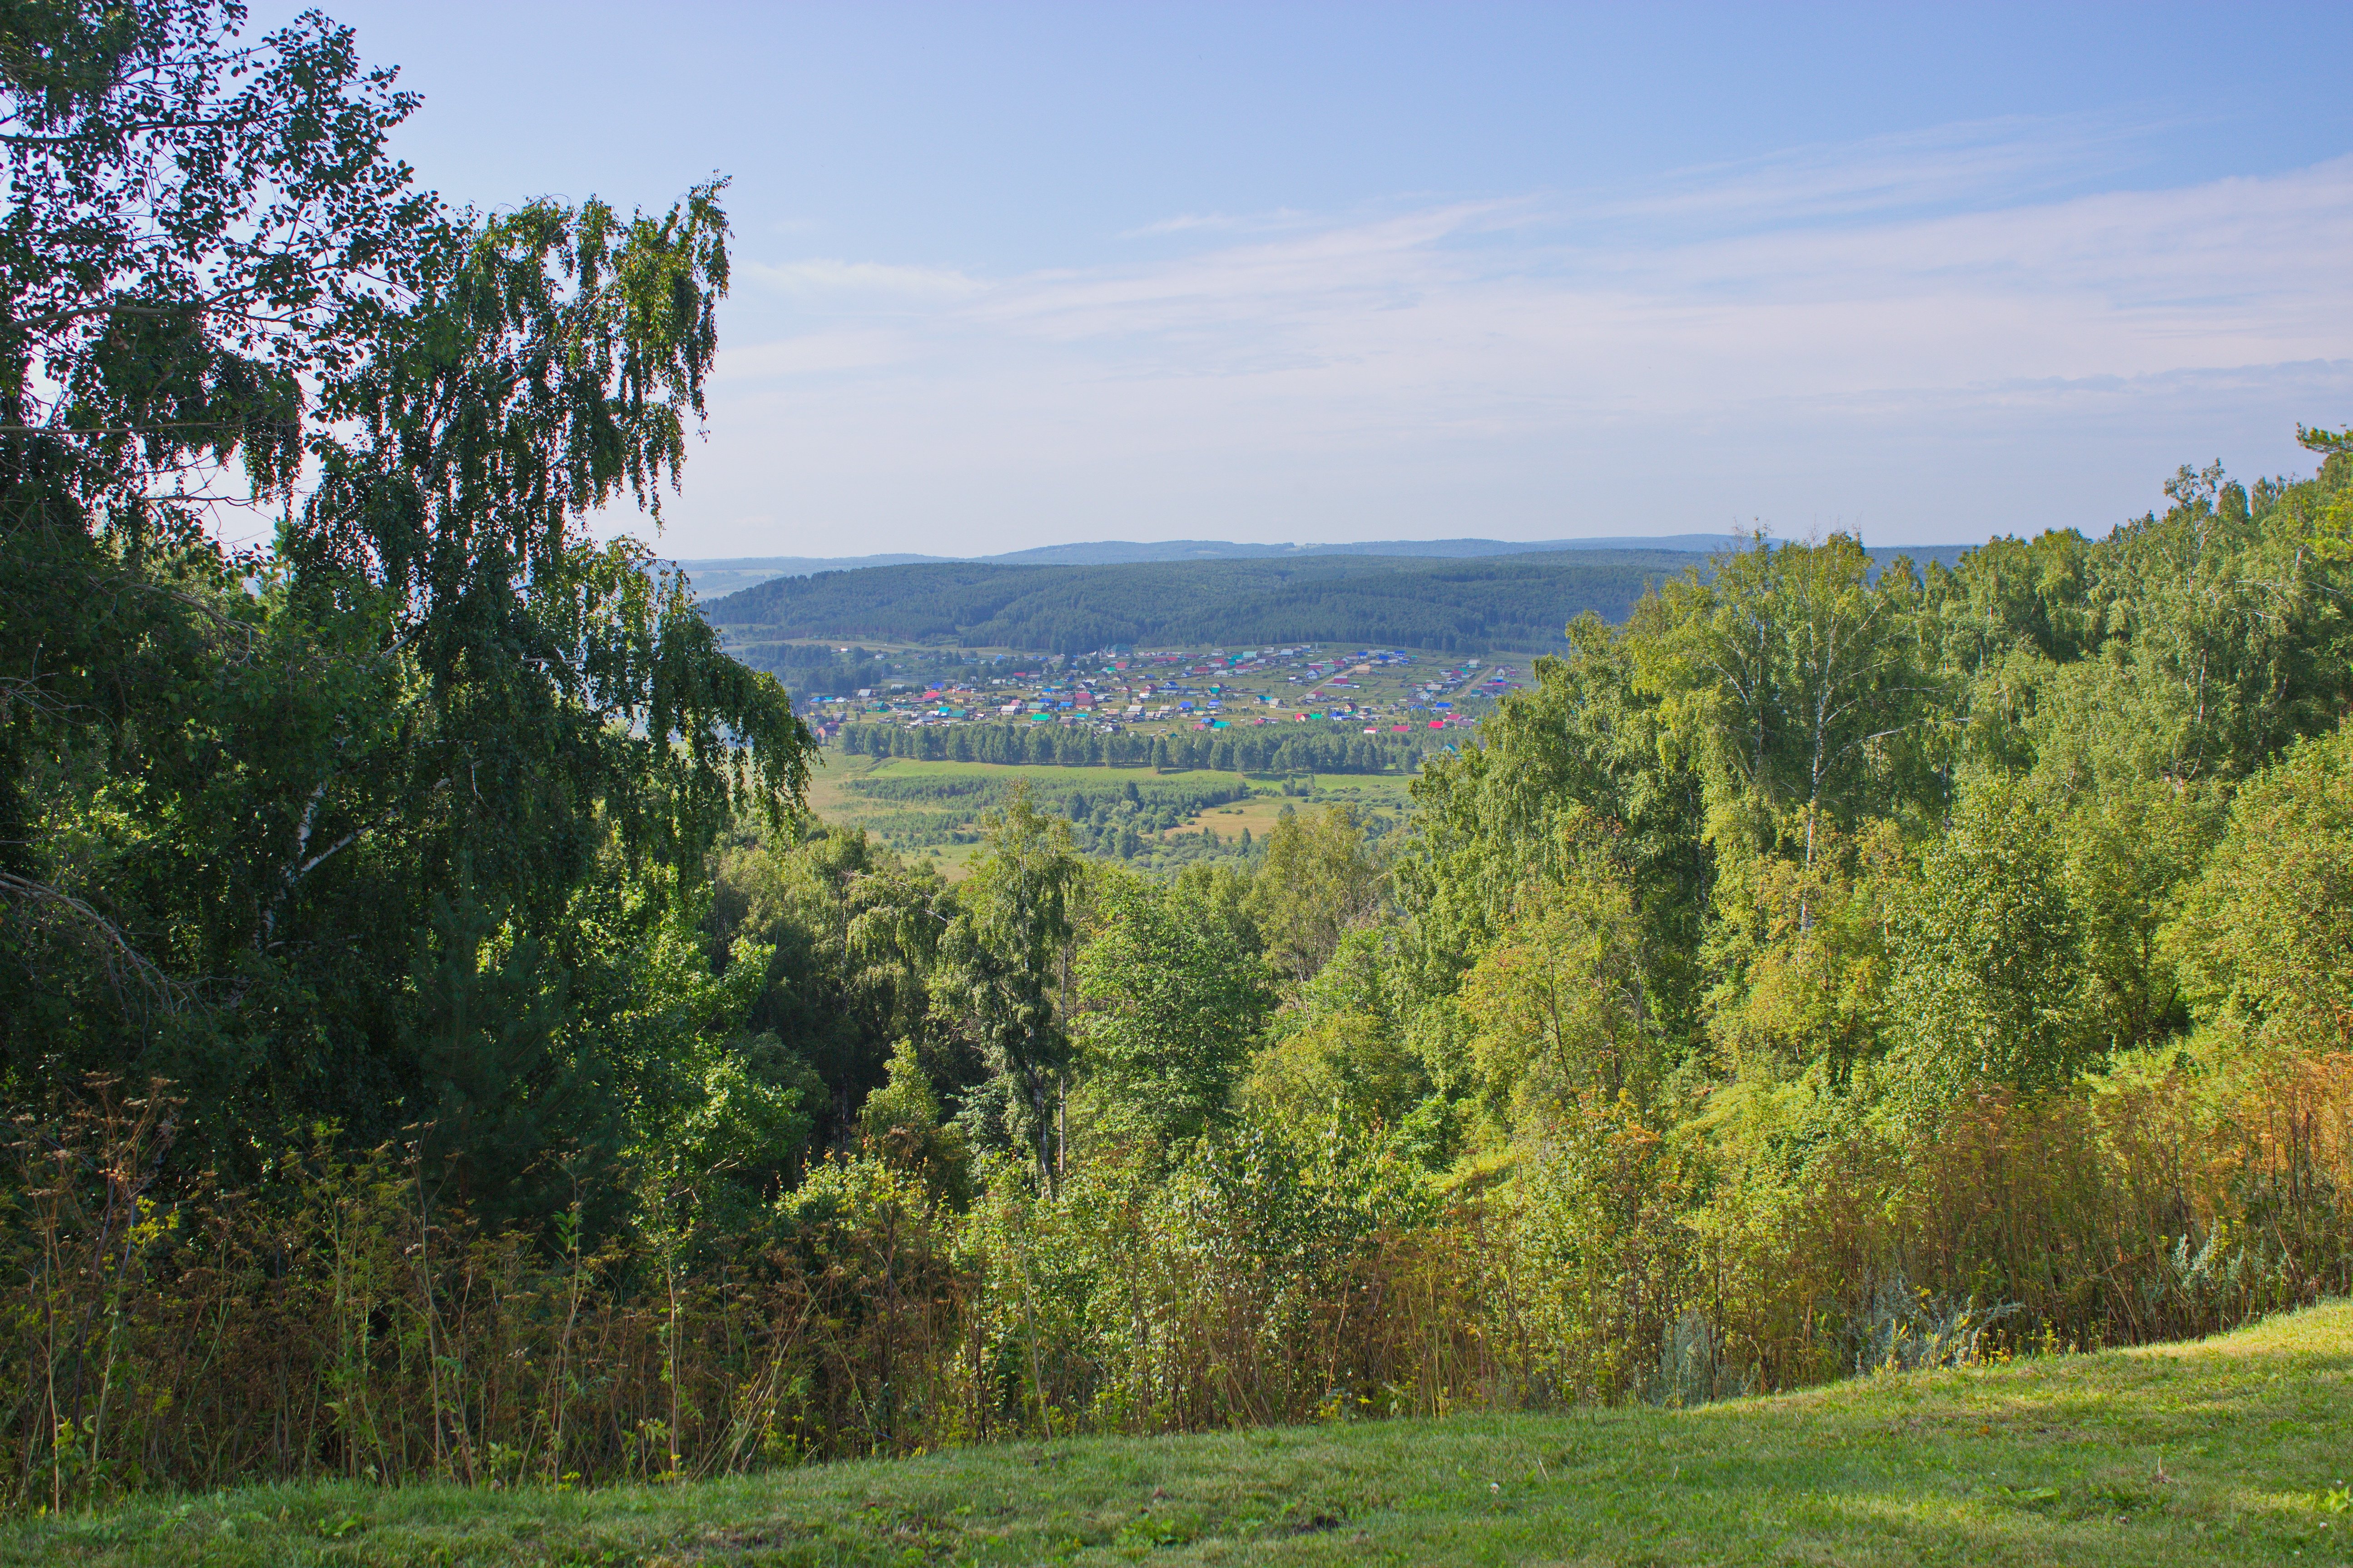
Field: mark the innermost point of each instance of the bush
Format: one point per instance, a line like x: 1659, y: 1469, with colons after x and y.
x: 2267, y: 935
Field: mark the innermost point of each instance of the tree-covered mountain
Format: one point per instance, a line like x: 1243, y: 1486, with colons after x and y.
x: 1114, y: 552
x: 716, y: 577
x: 1463, y: 606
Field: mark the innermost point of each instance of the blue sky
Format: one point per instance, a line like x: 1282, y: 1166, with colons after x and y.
x: 1015, y: 275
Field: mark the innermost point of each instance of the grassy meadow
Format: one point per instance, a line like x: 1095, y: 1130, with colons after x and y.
x: 2233, y: 1450
x: 836, y: 796
x: 1372, y: 794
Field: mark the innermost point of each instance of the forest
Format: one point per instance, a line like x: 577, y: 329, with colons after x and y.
x: 1472, y: 606
x: 440, y: 1044
x: 1317, y: 750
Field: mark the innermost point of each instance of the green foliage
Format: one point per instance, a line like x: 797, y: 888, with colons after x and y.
x: 498, y: 1092
x: 1585, y: 747
x: 1560, y: 1007
x: 196, y: 227
x: 1823, y: 967
x: 904, y: 1108
x: 867, y: 1263
x: 852, y: 937
x: 1172, y: 1005
x: 1005, y: 980
x: 2267, y: 933
x: 2130, y: 849
x: 747, y: 1113
x: 1988, y: 957
x: 366, y: 826
x: 901, y: 1119
x: 1787, y: 674
x: 549, y: 362
x: 1465, y: 606
x: 2333, y: 522
x: 1337, y: 1053
x: 1284, y: 749
x: 1598, y: 1262
x: 1316, y: 881
x: 1814, y: 993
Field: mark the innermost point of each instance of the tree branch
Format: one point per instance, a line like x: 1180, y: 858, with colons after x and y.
x: 118, y: 953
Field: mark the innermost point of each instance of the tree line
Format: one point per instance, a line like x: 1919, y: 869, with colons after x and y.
x: 1273, y: 749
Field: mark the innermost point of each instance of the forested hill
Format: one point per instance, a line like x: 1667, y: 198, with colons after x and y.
x: 1465, y: 606
x: 717, y: 578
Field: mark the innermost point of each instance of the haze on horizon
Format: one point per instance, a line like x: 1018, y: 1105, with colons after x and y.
x: 1011, y: 276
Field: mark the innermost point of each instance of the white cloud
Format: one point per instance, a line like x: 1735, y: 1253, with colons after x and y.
x: 1867, y: 333
x: 1997, y: 160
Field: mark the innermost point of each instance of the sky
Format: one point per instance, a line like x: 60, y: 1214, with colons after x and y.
x: 1012, y: 275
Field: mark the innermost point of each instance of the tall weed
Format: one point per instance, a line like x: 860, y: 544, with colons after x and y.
x: 334, y: 1321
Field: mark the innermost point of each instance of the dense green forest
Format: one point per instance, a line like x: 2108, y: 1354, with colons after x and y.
x: 1278, y: 750
x: 1457, y: 605
x: 806, y: 670
x: 437, y: 1043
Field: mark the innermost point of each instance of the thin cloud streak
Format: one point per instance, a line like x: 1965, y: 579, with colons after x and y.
x: 2136, y: 282
x: 1990, y: 161
x: 1495, y: 353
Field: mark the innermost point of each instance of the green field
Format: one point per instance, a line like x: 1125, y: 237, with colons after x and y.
x: 842, y: 792
x: 2233, y: 1450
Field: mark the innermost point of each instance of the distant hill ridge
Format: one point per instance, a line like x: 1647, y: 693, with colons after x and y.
x: 715, y: 577
x: 1109, y: 552
x: 1469, y: 604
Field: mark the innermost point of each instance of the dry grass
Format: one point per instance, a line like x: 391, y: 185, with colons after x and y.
x: 2227, y: 1451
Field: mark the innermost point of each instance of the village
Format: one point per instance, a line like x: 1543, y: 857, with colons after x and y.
x: 1379, y: 690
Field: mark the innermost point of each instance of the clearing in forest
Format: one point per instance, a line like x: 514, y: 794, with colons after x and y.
x: 937, y: 809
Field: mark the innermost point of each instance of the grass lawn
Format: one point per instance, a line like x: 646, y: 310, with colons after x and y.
x: 1367, y: 792
x: 2237, y: 1450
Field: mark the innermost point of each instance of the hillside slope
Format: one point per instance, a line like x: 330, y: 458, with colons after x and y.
x: 1107, y: 552
x: 2228, y: 1451
x: 1470, y: 605
x: 715, y: 578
